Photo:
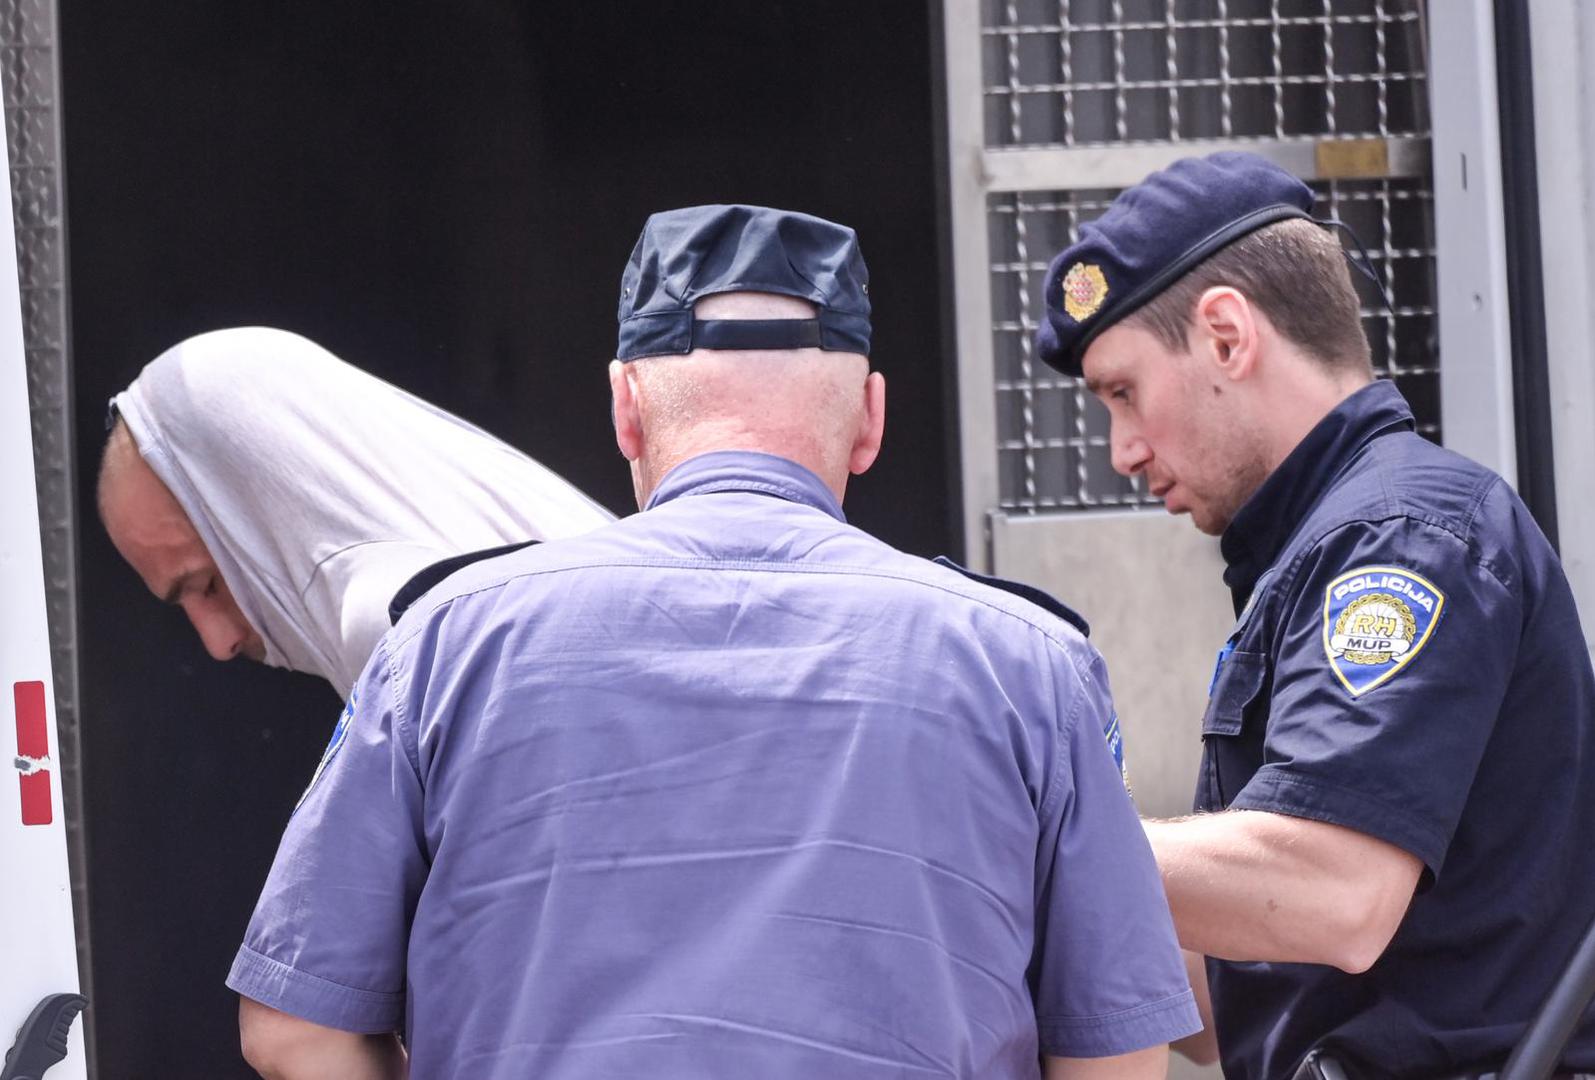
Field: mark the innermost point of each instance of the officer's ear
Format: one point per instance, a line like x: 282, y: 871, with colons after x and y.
x: 1227, y: 331
x: 872, y: 425
x: 623, y: 407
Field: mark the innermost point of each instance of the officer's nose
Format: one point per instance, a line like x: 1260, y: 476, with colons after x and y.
x: 1130, y: 452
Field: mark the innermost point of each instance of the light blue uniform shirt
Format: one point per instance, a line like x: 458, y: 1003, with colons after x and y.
x: 725, y: 789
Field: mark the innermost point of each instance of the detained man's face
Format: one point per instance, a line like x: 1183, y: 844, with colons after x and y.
x: 156, y: 538
x: 1174, y: 423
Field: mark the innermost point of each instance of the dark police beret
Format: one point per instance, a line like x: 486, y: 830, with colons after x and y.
x: 1150, y: 236
x: 685, y: 255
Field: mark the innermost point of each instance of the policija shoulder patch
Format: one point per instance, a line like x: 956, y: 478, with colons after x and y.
x: 1376, y: 621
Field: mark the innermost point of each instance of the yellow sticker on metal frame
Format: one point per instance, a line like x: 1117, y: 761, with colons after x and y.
x: 1376, y: 621
x: 1084, y: 289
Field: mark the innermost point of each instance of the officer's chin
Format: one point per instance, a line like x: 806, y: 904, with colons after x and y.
x: 1206, y: 521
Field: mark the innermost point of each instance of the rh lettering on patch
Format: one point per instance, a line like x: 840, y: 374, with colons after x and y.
x: 1376, y: 621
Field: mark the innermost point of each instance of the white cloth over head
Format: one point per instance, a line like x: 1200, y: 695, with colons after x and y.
x: 320, y: 489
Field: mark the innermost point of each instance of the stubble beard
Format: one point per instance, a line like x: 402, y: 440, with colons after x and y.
x: 1245, y: 476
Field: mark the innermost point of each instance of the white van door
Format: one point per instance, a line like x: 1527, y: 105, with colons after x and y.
x: 39, y: 957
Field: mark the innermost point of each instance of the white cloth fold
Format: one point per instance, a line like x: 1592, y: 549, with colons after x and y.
x: 320, y: 490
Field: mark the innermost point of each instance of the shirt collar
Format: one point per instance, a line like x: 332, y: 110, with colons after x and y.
x: 1266, y: 521
x: 746, y: 470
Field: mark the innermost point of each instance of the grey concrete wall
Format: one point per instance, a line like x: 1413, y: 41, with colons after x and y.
x: 1151, y: 587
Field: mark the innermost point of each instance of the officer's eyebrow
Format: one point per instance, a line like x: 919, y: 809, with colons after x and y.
x: 1094, y: 385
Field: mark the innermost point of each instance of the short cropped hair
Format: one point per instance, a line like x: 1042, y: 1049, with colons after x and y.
x: 1294, y: 272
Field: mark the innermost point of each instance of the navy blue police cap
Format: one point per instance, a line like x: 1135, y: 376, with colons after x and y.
x: 685, y: 255
x: 1150, y: 236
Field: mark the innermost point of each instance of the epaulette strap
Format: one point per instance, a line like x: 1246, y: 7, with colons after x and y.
x: 1039, y: 597
x: 425, y: 578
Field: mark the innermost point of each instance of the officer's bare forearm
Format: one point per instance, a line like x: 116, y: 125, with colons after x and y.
x: 1250, y: 885
x: 283, y: 1047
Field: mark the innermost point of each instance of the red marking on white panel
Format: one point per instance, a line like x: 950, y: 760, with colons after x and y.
x: 33, y: 749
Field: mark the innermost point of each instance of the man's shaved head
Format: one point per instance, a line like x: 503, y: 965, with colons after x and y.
x: 151, y: 531
x: 120, y: 454
x: 813, y: 406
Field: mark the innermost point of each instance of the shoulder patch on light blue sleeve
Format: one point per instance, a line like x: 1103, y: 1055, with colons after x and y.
x: 1376, y: 621
x: 1115, y: 739
x: 339, y: 733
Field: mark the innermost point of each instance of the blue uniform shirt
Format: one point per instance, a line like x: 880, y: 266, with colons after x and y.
x: 1407, y: 663
x: 727, y: 788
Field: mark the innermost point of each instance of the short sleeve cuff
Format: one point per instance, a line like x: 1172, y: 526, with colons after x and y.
x: 309, y: 997
x: 1122, y: 1032
x: 1281, y: 792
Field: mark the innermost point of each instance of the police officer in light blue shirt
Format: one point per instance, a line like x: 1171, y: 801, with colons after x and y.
x: 1394, y: 860
x: 729, y: 788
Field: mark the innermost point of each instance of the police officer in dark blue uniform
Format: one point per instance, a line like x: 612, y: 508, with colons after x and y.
x: 1392, y: 858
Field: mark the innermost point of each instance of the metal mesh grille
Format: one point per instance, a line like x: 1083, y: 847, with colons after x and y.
x: 1100, y: 72
x: 1052, y: 434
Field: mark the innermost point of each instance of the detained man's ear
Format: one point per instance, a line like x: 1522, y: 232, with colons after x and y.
x: 1228, y: 327
x: 872, y: 425
x: 623, y: 407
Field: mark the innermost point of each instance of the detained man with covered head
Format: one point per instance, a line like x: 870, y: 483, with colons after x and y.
x: 728, y: 788
x: 153, y: 534
x: 285, y: 499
